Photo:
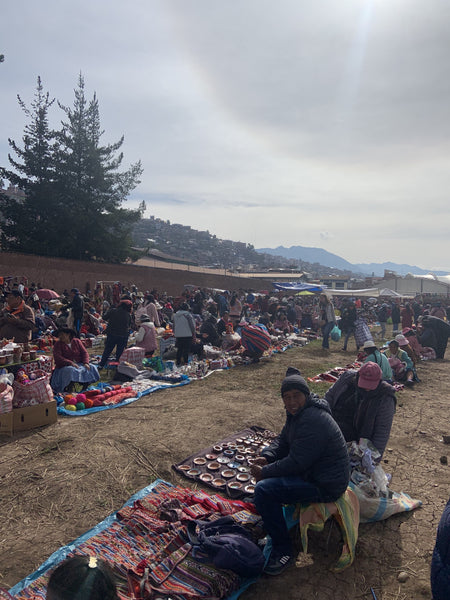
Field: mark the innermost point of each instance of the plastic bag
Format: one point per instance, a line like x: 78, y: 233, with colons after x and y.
x: 335, y: 334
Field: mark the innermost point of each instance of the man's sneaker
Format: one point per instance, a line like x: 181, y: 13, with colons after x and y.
x: 278, y: 563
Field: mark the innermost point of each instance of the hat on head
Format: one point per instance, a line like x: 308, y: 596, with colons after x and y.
x: 369, y: 344
x: 75, y: 290
x: 402, y: 341
x: 15, y: 293
x: 370, y: 376
x: 294, y: 381
x: 408, y: 331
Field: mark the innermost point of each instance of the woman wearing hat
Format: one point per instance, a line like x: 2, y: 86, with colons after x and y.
x: 71, y: 362
x: 374, y: 355
x: 401, y: 364
x: 307, y: 463
x: 363, y: 405
x: 146, y: 336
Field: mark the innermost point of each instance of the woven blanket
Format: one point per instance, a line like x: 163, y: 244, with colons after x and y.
x: 225, y: 466
x: 149, y: 534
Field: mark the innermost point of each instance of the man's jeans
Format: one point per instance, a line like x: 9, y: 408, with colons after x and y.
x: 326, y: 330
x: 271, y: 494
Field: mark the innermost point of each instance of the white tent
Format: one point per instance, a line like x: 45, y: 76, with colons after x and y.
x: 365, y: 293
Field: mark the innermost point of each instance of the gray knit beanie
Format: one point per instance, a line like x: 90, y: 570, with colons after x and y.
x: 294, y: 381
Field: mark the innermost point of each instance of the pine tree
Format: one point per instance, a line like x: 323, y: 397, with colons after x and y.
x: 73, y: 190
x: 92, y: 187
x: 26, y: 222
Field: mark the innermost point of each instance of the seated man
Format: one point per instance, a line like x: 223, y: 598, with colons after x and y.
x: 363, y: 405
x: 307, y: 463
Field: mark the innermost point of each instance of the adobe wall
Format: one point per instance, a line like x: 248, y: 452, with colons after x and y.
x: 63, y: 274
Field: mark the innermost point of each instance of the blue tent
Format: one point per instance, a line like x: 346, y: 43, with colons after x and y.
x: 295, y: 286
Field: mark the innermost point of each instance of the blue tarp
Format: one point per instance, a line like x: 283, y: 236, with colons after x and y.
x: 62, y: 552
x: 89, y: 411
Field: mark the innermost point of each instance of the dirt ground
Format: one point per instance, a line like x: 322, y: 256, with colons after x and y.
x: 57, y: 482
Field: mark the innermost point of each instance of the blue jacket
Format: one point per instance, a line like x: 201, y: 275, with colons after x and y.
x: 440, y: 563
x: 311, y: 446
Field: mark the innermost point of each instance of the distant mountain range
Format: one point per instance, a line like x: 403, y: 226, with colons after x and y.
x: 321, y: 256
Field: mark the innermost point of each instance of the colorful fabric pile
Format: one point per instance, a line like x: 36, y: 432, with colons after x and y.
x: 147, y: 546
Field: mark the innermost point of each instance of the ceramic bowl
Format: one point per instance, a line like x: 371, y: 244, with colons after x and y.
x: 200, y: 461
x: 223, y: 460
x: 206, y: 477
x: 235, y: 485
x: 193, y: 472
x: 242, y: 476
x: 242, y: 469
x: 250, y: 489
x: 217, y: 448
x: 184, y: 467
x: 239, y: 457
x: 213, y: 466
x: 234, y: 465
x: 228, y: 452
x: 210, y: 456
x: 219, y: 482
x: 228, y: 473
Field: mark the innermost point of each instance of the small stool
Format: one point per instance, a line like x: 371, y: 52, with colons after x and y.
x: 345, y: 511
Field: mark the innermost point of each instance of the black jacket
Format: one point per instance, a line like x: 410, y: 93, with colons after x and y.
x: 311, y: 446
x: 119, y: 322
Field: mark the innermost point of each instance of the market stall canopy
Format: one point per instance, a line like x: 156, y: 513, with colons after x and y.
x: 294, y: 286
x: 366, y: 293
x: 46, y: 294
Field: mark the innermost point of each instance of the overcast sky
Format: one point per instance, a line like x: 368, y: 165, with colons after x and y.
x: 317, y: 123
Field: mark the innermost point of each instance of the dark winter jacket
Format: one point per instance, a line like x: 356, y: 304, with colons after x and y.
x: 442, y: 331
x: 362, y: 414
x: 119, y: 322
x: 440, y: 563
x: 311, y: 446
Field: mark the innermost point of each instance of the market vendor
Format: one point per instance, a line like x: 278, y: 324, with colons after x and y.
x: 401, y: 364
x: 308, y: 462
x: 374, y: 355
x: 71, y: 362
x: 17, y: 319
x: 363, y: 405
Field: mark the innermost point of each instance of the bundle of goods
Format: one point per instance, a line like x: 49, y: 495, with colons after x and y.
x: 333, y: 375
x: 110, y: 394
x: 371, y: 485
x: 31, y: 389
x: 133, y: 355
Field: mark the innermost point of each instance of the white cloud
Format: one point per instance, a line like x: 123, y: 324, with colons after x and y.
x: 275, y: 124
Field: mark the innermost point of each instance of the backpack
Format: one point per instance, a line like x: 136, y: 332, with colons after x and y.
x: 226, y: 545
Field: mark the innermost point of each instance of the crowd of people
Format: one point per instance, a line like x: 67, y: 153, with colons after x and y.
x: 309, y: 460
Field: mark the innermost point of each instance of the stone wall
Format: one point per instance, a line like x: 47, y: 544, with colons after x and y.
x: 63, y: 274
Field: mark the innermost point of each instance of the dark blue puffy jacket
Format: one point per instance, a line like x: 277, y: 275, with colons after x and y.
x: 312, y: 446
x: 440, y: 563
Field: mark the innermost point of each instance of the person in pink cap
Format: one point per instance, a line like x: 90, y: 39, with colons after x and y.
x: 363, y: 405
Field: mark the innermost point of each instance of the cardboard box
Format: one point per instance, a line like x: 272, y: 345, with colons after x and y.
x: 6, y: 423
x: 30, y: 417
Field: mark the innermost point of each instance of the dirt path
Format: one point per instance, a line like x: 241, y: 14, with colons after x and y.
x: 58, y: 482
